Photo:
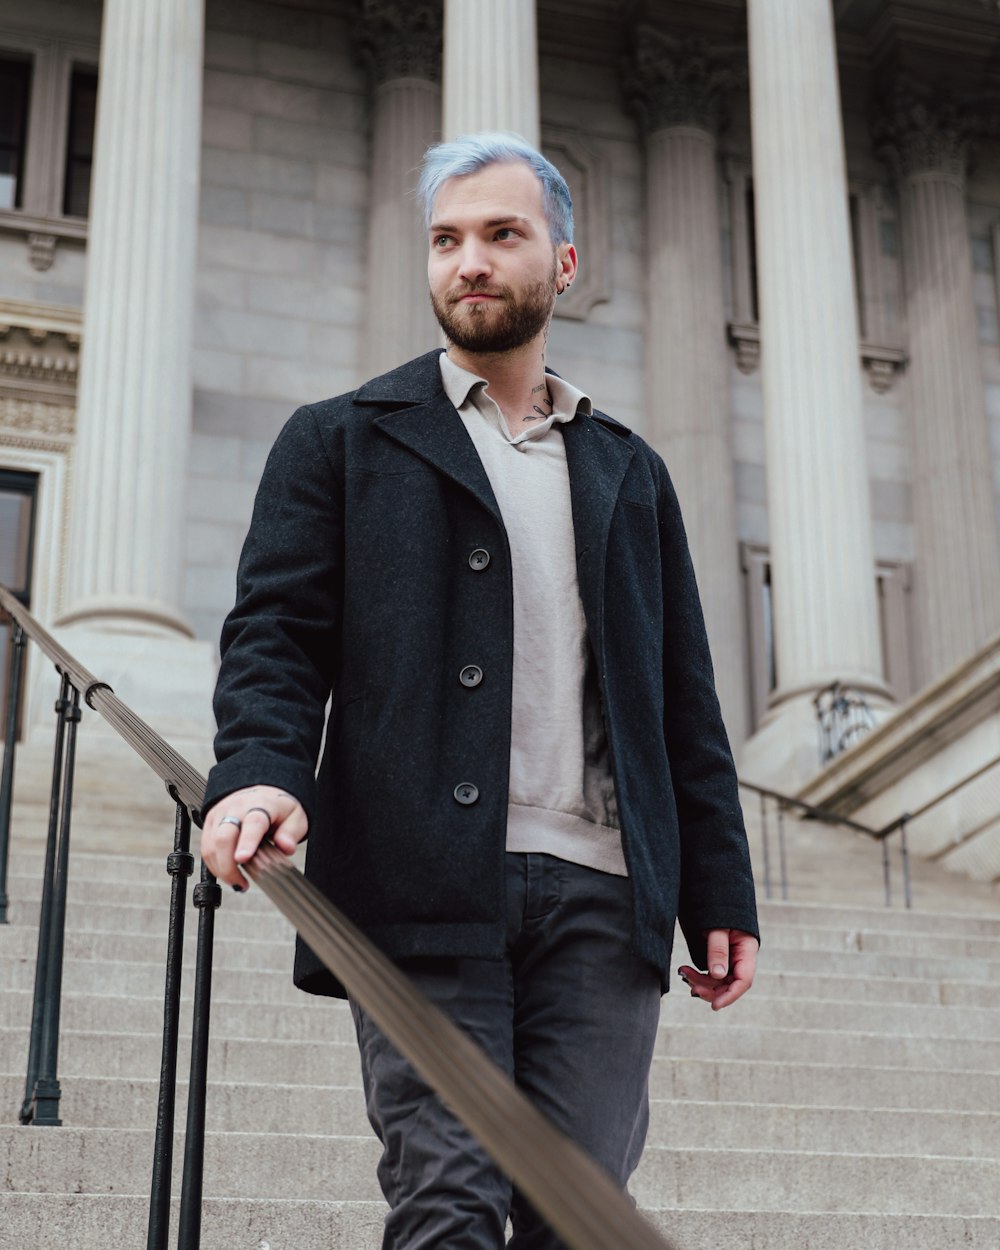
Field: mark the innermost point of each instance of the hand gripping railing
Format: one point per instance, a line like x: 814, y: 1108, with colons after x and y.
x: 579, y: 1200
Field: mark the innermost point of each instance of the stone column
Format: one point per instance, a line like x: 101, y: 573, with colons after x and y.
x: 676, y: 91
x: 129, y: 473
x: 957, y: 575
x: 822, y: 556
x: 491, y: 68
x: 401, y: 41
x: 127, y: 517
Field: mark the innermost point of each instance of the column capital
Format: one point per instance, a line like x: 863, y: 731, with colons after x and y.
x: 401, y: 39
x: 678, y: 82
x: 917, y: 133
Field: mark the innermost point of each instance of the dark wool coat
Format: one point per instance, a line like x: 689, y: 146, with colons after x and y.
x: 376, y: 568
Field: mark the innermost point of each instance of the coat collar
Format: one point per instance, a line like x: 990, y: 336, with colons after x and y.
x: 598, y: 453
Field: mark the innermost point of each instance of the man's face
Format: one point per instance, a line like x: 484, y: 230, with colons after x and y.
x: 493, y: 269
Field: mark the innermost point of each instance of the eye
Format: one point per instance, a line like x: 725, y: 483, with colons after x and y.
x: 441, y: 241
x: 505, y: 233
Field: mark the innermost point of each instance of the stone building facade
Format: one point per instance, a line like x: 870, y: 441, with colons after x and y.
x: 789, y: 221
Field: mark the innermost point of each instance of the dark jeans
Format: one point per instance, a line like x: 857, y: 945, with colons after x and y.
x: 570, y: 1013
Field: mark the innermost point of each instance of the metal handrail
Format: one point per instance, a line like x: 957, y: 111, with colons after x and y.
x: 580, y: 1202
x: 173, y: 769
x: 899, y: 824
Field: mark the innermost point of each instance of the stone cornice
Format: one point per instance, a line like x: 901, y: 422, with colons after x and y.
x: 39, y: 351
x: 401, y: 39
x: 678, y: 82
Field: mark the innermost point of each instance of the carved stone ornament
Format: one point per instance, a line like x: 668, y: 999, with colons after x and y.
x: 917, y: 134
x: 745, y: 337
x: 35, y: 416
x: 401, y: 39
x: 39, y: 351
x: 882, y: 364
x: 677, y: 82
x: 41, y: 250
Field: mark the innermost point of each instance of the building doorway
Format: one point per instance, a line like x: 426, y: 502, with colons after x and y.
x: 18, y: 496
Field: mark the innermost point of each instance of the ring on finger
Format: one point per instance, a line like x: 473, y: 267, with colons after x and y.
x: 232, y: 820
x: 270, y: 818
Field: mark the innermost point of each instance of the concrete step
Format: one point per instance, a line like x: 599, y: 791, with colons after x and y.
x: 309, y: 1062
x: 838, y: 958
x: 237, y: 1165
x: 275, y: 985
x: 258, y: 1108
x: 672, y: 1080
x: 115, y: 1222
x: 315, y: 1019
x: 95, y: 879
x: 824, y: 915
x: 147, y: 886
x: 138, y: 1056
x: 247, y: 1165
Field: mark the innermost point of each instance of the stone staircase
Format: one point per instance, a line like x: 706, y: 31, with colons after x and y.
x: 850, y: 1102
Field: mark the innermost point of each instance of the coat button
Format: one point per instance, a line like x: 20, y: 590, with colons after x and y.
x: 466, y: 793
x: 479, y: 559
x: 471, y: 675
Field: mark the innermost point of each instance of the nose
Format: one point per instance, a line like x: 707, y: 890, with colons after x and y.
x: 474, y: 261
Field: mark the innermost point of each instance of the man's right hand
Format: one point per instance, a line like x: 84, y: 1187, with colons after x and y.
x: 237, y: 824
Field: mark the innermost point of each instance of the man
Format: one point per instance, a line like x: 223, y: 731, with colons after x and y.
x: 525, y: 778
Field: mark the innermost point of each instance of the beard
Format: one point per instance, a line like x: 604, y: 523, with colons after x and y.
x: 500, y: 327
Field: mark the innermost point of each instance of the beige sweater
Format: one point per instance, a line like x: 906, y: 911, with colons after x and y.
x: 562, y: 799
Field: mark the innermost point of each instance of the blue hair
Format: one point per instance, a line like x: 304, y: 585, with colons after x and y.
x: 470, y: 153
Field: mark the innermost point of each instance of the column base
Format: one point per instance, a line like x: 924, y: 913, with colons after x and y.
x: 119, y: 802
x: 784, y: 753
x: 166, y: 679
x: 126, y: 614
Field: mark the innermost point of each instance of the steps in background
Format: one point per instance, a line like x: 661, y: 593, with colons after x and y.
x: 852, y: 1100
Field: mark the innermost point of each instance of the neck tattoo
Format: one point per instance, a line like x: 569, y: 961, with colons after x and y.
x: 542, y: 407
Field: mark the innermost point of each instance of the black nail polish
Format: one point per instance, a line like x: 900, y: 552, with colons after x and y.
x: 239, y: 888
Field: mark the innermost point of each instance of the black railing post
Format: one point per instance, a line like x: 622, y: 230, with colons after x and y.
x: 886, y: 870
x: 180, y: 865
x: 207, y: 897
x: 904, y: 852
x: 47, y: 1090
x: 9, y: 745
x: 765, y: 845
x: 782, y: 861
x: 45, y: 909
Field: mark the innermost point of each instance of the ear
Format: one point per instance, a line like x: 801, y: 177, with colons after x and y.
x: 565, y: 265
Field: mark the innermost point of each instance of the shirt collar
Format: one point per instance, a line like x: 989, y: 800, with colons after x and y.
x: 567, y: 399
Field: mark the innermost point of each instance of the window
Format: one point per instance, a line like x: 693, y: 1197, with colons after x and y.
x: 18, y: 492
x: 48, y: 97
x: 749, y: 215
x: 80, y: 141
x: 892, y: 586
x: 15, y: 90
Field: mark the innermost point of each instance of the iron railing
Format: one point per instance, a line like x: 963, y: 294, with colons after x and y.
x: 843, y: 717
x: 772, y: 802
x: 577, y: 1198
x: 781, y: 804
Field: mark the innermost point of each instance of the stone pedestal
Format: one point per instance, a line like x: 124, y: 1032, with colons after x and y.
x: 131, y: 458
x: 957, y: 575
x: 676, y: 92
x: 491, y: 68
x: 402, y: 44
x: 822, y: 557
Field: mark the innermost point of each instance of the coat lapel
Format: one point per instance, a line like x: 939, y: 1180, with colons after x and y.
x: 420, y: 416
x: 434, y: 431
x: 598, y: 460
